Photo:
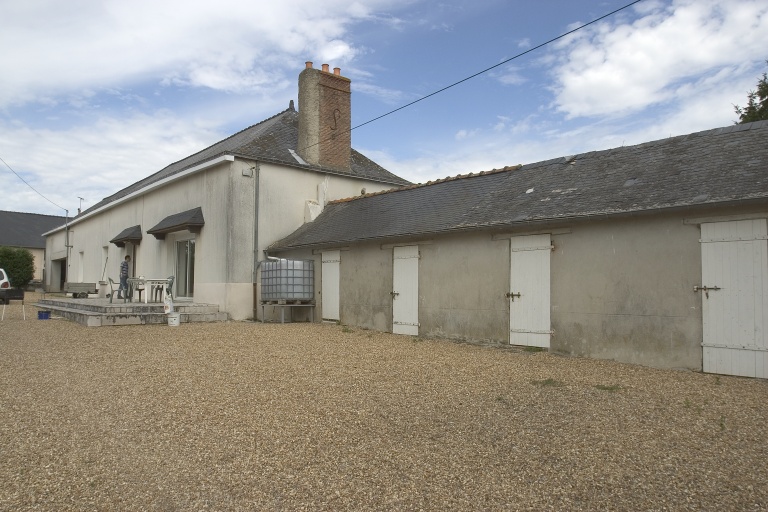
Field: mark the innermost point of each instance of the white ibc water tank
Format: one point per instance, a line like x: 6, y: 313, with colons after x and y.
x: 287, y: 280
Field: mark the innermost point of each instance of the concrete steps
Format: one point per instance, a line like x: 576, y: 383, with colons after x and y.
x: 100, y: 313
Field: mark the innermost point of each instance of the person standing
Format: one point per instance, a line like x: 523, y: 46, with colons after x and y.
x: 124, y: 277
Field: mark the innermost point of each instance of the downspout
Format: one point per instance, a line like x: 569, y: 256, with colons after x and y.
x: 254, y: 265
x: 67, y: 247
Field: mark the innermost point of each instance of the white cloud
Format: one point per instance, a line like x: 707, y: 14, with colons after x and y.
x: 388, y: 96
x: 92, y: 160
x: 509, y: 75
x: 228, y: 45
x: 465, y: 134
x: 613, y: 70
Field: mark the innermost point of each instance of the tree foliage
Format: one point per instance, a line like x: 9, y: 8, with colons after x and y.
x: 757, y: 103
x: 19, y: 264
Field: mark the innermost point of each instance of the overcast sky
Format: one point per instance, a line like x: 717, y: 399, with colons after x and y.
x: 95, y: 95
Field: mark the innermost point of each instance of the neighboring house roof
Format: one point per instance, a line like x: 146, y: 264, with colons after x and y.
x: 708, y: 168
x: 26, y: 229
x: 273, y: 140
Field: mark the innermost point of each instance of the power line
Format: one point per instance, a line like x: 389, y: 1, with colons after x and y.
x: 30, y: 186
x: 499, y: 64
x: 486, y: 69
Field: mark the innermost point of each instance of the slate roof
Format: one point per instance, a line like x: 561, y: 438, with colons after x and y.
x: 131, y: 234
x: 26, y: 229
x: 707, y: 168
x: 189, y: 219
x: 267, y: 141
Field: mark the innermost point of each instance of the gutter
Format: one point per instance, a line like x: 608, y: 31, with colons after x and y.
x: 158, y: 184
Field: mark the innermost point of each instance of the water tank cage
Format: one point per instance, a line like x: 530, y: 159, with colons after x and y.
x: 287, y: 281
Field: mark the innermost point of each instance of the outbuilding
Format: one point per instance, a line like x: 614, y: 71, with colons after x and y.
x: 653, y: 254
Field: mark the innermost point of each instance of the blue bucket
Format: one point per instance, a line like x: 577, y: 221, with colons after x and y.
x: 43, y: 315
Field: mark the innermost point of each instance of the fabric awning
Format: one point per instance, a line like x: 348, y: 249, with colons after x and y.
x: 191, y: 220
x: 132, y: 235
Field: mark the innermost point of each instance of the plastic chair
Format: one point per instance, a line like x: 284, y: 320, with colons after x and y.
x: 158, y: 290
x: 112, y: 291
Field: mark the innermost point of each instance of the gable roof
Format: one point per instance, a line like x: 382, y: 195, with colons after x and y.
x: 273, y: 140
x: 26, y: 229
x: 707, y: 168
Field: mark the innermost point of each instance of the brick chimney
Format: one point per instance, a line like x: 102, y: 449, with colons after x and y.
x: 325, y: 118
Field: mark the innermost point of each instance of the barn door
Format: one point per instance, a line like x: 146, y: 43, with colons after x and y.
x: 734, y: 297
x: 330, y: 284
x: 405, y: 290
x: 529, y: 291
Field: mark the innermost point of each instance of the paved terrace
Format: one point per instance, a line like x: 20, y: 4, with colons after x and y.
x: 99, y: 312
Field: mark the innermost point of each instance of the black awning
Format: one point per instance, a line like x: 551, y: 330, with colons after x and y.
x: 132, y: 235
x: 191, y: 220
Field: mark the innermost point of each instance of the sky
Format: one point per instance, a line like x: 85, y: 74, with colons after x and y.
x: 96, y: 95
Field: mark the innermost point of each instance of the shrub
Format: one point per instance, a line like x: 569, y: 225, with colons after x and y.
x: 19, y: 264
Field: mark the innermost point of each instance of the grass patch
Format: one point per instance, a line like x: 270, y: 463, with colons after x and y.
x: 547, y: 383
x: 534, y: 349
x: 689, y: 405
x: 346, y: 329
x: 611, y: 388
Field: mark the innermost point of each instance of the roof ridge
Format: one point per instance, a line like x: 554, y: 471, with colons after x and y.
x: 222, y: 140
x: 506, y: 168
x: 32, y: 213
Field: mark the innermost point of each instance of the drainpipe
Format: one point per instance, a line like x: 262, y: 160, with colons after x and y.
x: 254, y: 266
x: 67, y: 247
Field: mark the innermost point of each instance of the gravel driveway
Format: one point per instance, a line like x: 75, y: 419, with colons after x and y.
x: 244, y: 416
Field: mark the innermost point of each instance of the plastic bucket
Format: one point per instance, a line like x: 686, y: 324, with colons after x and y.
x: 174, y: 319
x: 43, y: 315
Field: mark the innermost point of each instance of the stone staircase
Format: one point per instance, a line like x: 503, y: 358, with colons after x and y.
x: 101, y: 313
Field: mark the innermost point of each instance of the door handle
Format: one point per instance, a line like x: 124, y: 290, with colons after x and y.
x: 394, y: 294
x: 512, y: 296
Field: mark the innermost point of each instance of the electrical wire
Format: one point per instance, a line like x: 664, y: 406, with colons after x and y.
x: 486, y: 69
x: 30, y: 186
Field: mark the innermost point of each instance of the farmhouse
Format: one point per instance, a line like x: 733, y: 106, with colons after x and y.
x: 207, y: 218
x: 25, y: 231
x: 653, y: 254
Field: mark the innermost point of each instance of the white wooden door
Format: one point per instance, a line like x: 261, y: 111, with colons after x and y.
x: 734, y: 270
x: 330, y: 277
x: 529, y: 294
x: 405, y: 290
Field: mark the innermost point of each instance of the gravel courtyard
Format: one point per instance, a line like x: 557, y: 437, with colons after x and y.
x: 244, y: 416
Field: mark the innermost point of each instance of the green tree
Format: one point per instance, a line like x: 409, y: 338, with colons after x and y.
x: 757, y: 103
x: 19, y: 264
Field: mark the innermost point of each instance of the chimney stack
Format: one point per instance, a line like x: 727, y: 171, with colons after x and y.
x: 325, y: 118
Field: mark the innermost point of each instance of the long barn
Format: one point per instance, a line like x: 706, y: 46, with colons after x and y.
x: 653, y: 254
